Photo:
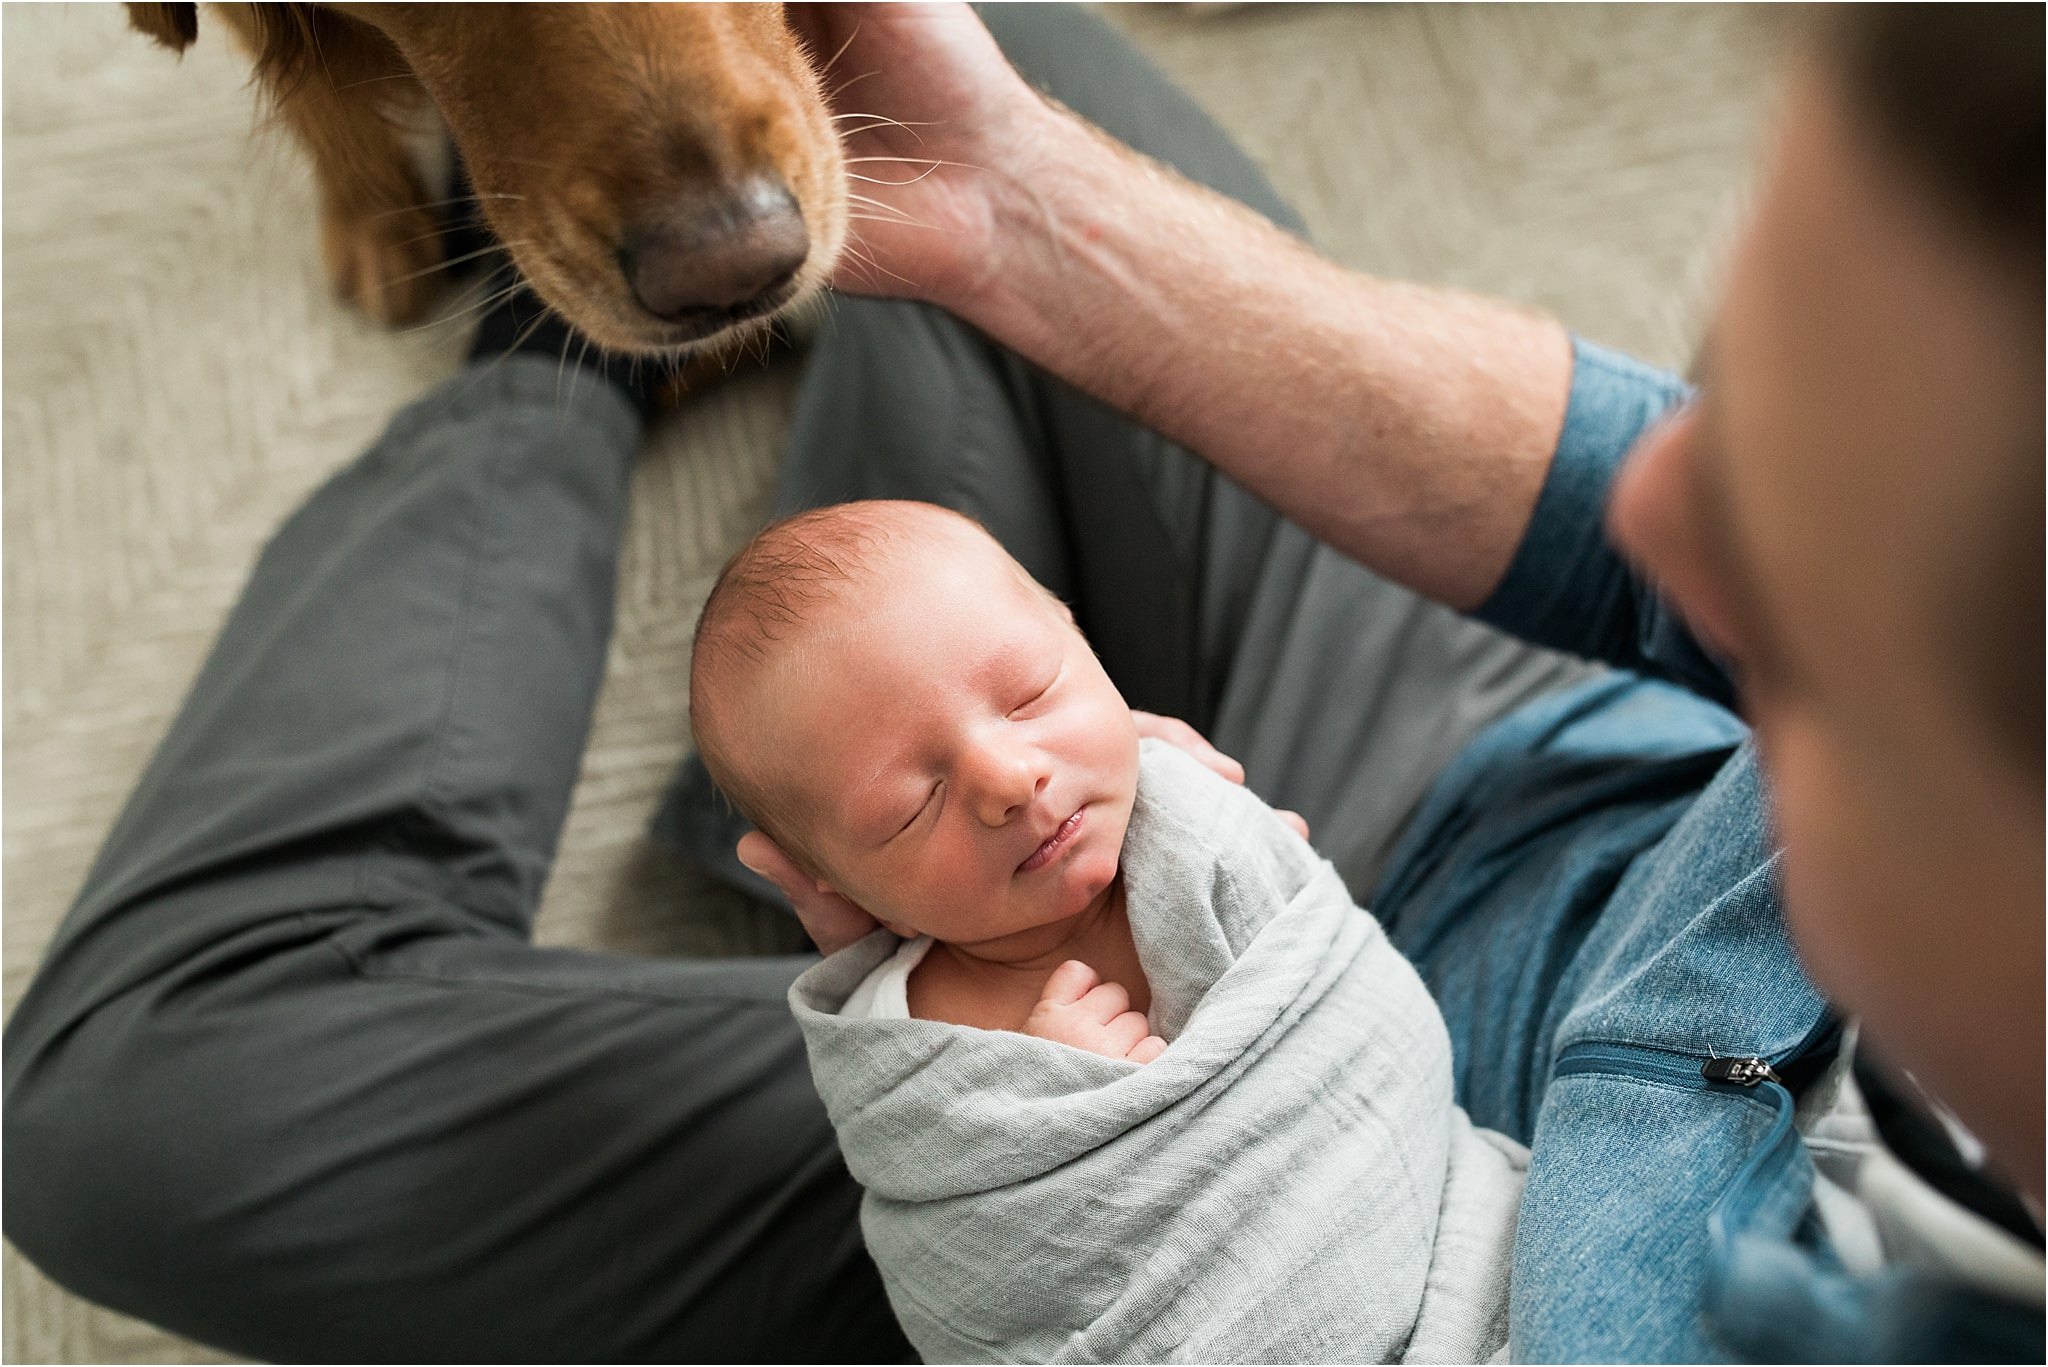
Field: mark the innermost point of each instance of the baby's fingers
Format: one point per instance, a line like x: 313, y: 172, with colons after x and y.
x: 1068, y: 983
x: 1147, y: 1049
x: 1125, y: 1033
x: 1105, y: 1002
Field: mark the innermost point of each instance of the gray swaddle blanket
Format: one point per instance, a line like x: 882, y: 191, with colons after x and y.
x: 1288, y: 1181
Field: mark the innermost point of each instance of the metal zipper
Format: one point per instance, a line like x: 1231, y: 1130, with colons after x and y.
x: 1743, y: 1072
x: 1744, y: 1075
x: 1664, y: 1065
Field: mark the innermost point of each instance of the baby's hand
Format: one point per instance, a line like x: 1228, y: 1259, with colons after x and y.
x: 1076, y: 1007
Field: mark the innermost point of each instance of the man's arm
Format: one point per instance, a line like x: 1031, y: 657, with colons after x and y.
x: 1409, y: 427
x: 1456, y: 444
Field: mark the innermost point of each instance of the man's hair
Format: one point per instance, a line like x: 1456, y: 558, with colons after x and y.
x: 772, y: 591
x: 1956, y: 91
x: 1955, y: 94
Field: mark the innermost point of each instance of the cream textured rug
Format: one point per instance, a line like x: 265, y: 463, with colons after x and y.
x: 176, y: 380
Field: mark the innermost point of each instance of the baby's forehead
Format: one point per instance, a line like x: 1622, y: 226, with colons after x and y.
x: 917, y: 616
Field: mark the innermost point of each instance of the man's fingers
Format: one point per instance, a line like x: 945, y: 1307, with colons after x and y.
x: 830, y: 920
x: 1068, y: 983
x: 1180, y: 735
x: 1147, y: 1049
x: 1105, y: 1002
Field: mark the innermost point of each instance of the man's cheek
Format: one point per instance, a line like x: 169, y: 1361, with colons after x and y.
x: 1827, y: 870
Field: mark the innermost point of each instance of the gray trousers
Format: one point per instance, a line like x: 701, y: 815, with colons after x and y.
x: 293, y: 1080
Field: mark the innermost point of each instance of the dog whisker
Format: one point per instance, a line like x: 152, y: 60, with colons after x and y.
x: 484, y: 372
x: 918, y: 161
x: 900, y: 215
x: 834, y: 59
x: 526, y: 332
x: 373, y: 80
x: 914, y: 123
x: 529, y: 161
x: 424, y: 205
x: 846, y: 133
x: 582, y: 355
x: 561, y: 368
x: 479, y: 306
x: 496, y: 244
x: 450, y: 263
x: 877, y: 180
x: 881, y: 121
x: 867, y: 259
x: 840, y: 89
x: 447, y: 230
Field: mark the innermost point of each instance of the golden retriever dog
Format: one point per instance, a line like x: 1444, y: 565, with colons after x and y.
x: 663, y: 175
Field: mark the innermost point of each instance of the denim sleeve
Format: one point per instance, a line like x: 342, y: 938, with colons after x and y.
x: 1567, y: 586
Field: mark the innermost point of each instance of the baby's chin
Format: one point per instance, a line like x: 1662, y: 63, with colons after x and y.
x: 1088, y: 880
x: 1093, y: 868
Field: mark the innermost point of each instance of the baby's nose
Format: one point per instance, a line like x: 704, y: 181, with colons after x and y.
x: 1010, y: 783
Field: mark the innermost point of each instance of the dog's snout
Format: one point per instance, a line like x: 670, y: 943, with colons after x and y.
x: 719, y: 255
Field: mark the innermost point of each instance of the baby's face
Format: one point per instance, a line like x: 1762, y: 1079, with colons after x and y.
x: 972, y: 765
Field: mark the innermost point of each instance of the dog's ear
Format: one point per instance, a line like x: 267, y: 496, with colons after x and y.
x: 174, y: 26
x: 291, y: 42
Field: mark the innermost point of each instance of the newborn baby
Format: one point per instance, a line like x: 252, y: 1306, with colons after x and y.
x: 919, y: 725
x: 1138, y: 1081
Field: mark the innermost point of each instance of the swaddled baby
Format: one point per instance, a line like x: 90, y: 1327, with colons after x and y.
x: 913, y: 720
x: 1126, y: 1075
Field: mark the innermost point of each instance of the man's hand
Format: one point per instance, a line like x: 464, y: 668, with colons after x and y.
x: 830, y: 920
x: 1179, y: 734
x: 929, y: 112
x: 1077, y: 1008
x: 1409, y: 428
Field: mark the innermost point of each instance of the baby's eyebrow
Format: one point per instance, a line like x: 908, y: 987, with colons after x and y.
x: 869, y: 824
x: 999, y: 664
x: 1013, y: 662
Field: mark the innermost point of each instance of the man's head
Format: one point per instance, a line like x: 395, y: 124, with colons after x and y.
x: 915, y: 721
x: 1852, y: 515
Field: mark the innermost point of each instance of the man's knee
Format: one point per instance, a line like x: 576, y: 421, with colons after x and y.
x: 116, y: 1166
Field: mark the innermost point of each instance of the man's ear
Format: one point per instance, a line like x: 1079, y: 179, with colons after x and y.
x: 174, y: 26
x: 900, y: 932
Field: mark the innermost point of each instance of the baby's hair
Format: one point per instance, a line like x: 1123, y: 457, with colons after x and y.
x: 771, y: 591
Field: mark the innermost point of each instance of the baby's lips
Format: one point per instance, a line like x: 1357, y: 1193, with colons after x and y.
x: 1063, y: 833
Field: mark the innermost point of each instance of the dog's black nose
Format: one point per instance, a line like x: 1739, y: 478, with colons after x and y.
x: 714, y: 257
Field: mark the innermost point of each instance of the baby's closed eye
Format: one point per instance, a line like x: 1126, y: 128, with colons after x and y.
x: 1038, y: 696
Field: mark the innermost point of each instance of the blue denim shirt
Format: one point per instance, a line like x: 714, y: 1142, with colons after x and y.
x: 1589, y: 890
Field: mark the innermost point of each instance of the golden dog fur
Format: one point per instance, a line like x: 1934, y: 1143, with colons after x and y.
x: 575, y: 123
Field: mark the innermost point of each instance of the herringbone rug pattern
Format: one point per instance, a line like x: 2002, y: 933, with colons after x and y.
x: 176, y: 380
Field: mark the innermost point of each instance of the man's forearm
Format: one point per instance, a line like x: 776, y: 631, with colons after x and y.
x: 1409, y: 427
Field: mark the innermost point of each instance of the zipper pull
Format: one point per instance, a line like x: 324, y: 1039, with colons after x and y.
x: 1743, y: 1072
